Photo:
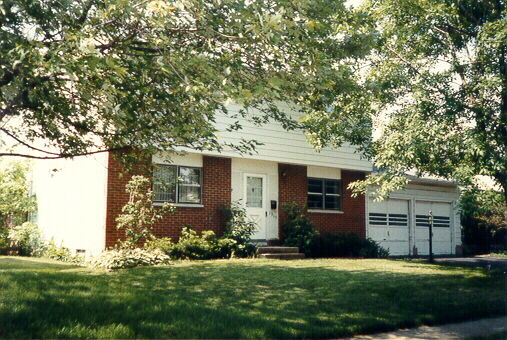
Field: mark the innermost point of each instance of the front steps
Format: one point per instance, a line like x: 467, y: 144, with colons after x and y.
x: 280, y: 253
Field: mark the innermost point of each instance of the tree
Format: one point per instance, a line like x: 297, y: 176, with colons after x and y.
x: 138, y: 214
x: 435, y: 83
x: 15, y: 199
x: 91, y: 76
x: 484, y: 220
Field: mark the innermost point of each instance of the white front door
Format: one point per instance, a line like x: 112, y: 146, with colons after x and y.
x: 255, y: 203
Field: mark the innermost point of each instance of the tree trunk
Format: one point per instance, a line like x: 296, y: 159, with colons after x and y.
x: 502, y: 180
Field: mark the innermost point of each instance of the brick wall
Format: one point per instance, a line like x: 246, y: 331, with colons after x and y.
x: 353, y: 217
x: 216, y: 193
x: 293, y: 187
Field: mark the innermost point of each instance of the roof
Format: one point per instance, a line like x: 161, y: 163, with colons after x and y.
x: 431, y: 181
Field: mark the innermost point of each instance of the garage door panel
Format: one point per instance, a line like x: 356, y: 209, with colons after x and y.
x: 378, y: 234
x: 441, y: 248
x: 395, y: 247
x: 441, y: 208
x: 421, y: 234
x: 388, y: 224
x: 442, y: 235
x: 423, y: 248
x: 398, y: 234
x: 397, y: 206
x: 377, y: 207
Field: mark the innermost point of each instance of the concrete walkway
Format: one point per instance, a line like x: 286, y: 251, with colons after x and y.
x: 450, y: 331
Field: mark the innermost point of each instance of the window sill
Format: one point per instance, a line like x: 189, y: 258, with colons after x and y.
x: 179, y: 205
x: 319, y: 211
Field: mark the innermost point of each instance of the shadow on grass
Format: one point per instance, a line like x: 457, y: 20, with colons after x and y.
x: 238, y: 300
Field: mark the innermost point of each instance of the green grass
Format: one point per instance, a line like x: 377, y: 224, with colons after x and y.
x: 240, y: 298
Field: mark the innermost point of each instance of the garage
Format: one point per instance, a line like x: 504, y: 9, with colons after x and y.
x: 442, y: 232
x: 401, y: 224
x: 388, y: 224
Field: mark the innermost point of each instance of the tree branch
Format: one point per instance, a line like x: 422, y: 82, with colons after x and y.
x: 62, y: 155
x: 8, y: 133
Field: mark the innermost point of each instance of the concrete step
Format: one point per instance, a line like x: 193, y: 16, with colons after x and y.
x: 282, y: 256
x: 277, y: 250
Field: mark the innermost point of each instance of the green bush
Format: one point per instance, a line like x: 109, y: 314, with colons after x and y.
x: 15, y: 198
x: 240, y: 229
x: 164, y: 244
x: 4, y: 240
x: 299, y: 231
x: 346, y: 245
x: 60, y: 253
x: 139, y: 214
x: 28, y: 238
x: 484, y: 221
x: 192, y: 246
x: 121, y: 258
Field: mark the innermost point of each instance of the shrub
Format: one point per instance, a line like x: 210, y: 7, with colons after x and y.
x: 4, y: 240
x: 15, y: 198
x: 28, y: 238
x: 299, y: 231
x: 207, y: 246
x: 484, y: 221
x: 61, y: 253
x: 239, y: 229
x: 192, y: 246
x: 121, y: 258
x: 139, y: 214
x: 346, y: 245
x: 163, y: 244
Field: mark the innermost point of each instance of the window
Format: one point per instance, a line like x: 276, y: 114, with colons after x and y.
x: 378, y: 219
x: 324, y: 193
x: 438, y: 221
x: 254, y: 192
x: 177, y: 184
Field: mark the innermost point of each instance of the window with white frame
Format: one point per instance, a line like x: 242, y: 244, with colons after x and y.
x: 324, y: 194
x: 177, y: 184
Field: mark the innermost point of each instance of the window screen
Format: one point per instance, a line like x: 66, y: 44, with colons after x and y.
x: 324, y: 194
x: 177, y: 184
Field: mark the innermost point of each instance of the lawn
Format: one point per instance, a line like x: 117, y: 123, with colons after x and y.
x: 240, y: 298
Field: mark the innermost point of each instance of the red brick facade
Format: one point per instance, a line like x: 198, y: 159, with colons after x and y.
x: 354, y: 209
x: 216, y: 192
x: 293, y: 187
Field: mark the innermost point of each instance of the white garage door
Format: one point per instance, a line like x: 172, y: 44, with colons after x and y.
x: 442, y: 234
x: 388, y: 225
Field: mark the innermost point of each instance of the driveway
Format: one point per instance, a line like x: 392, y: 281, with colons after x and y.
x: 476, y: 261
x: 454, y: 331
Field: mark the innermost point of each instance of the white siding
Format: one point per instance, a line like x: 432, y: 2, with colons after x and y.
x: 324, y: 172
x: 284, y: 146
x: 187, y: 159
x: 71, y: 200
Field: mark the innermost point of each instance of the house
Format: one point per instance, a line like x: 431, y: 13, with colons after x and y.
x: 78, y: 200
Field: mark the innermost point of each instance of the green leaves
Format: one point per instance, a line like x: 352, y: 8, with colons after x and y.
x: 435, y: 88
x: 99, y: 75
x: 138, y: 214
x: 15, y: 198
